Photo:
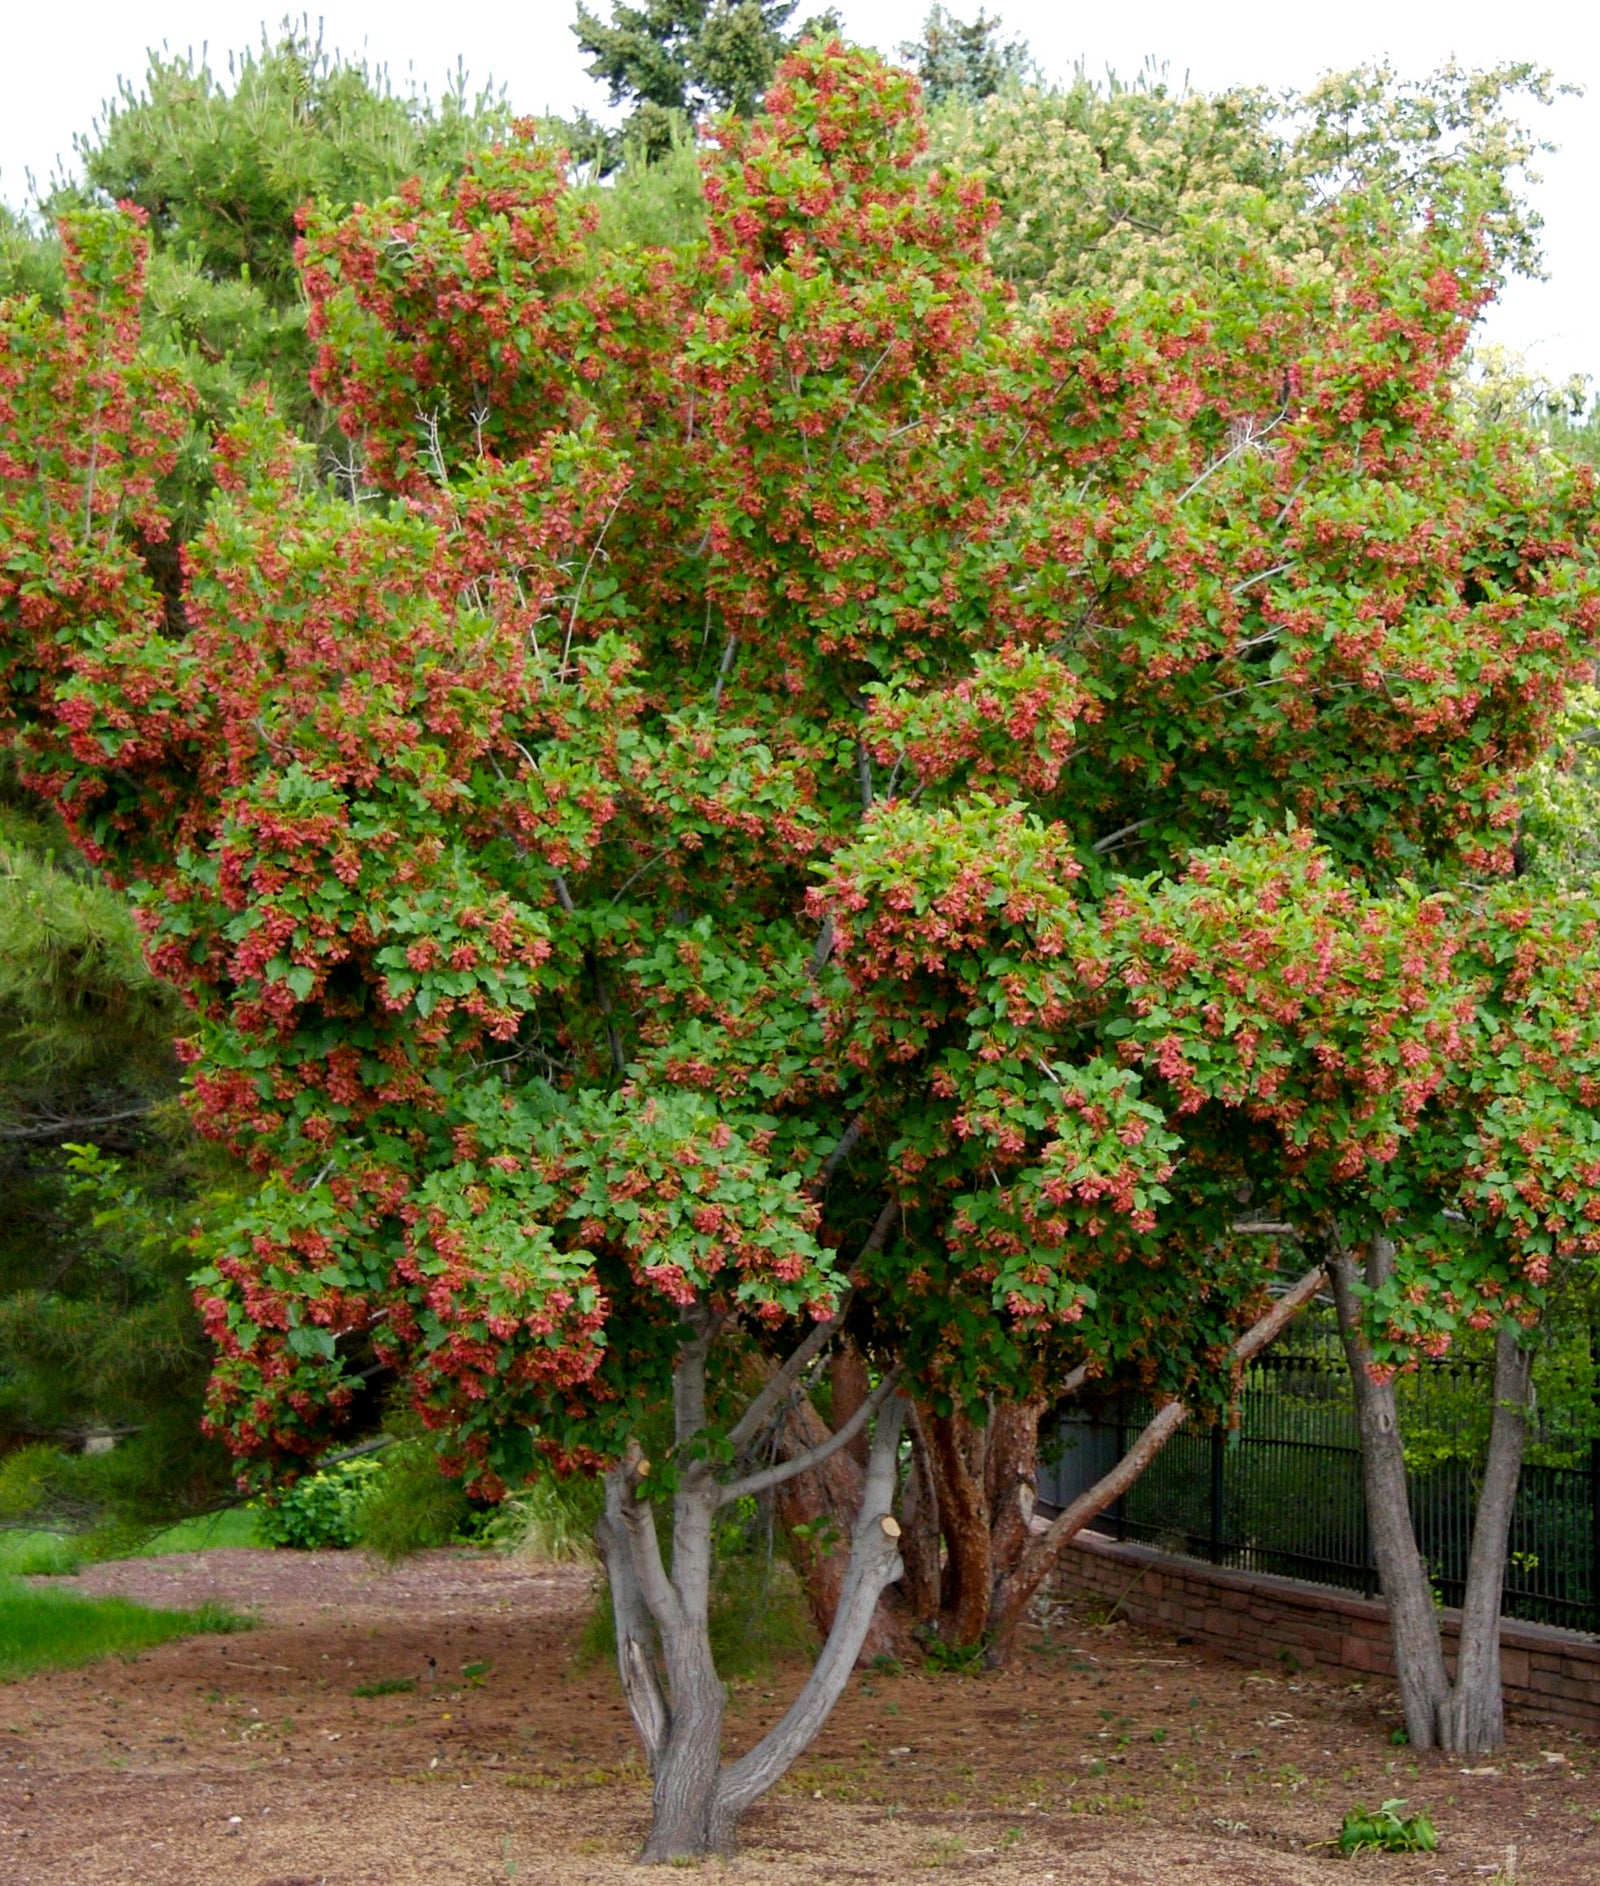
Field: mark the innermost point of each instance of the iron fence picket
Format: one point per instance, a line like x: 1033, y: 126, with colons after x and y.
x: 1282, y: 1491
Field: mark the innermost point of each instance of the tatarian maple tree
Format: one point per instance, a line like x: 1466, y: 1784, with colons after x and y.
x: 649, y: 849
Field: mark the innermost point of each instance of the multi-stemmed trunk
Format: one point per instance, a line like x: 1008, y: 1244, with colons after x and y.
x: 1016, y: 1586
x: 664, y: 1659
x: 817, y: 1510
x: 1465, y: 1716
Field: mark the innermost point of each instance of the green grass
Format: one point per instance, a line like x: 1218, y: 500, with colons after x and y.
x: 26, y: 1553
x: 236, y: 1525
x: 29, y: 1554
x: 42, y: 1628
x: 386, y: 1686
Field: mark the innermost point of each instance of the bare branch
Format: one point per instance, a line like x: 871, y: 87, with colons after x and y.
x: 53, y: 1129
x: 782, y: 1470
x: 849, y: 1139
x: 824, y: 948
x: 730, y: 648
x: 864, y: 774
x: 577, y: 594
x: 1103, y: 845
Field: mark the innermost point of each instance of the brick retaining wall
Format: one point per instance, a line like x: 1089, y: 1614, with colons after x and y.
x: 1254, y: 1615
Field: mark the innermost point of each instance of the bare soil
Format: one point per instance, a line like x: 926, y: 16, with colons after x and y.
x: 1107, y: 1757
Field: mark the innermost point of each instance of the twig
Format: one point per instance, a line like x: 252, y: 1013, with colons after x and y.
x: 1103, y: 845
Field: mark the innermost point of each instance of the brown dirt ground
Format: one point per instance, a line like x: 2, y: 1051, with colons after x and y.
x: 1107, y: 1757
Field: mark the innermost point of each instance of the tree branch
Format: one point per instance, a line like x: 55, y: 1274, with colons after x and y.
x: 636, y: 1665
x: 1035, y: 1565
x: 53, y: 1129
x: 874, y: 1563
x: 775, y: 1475
x: 755, y: 1417
x: 849, y: 1139
x: 1103, y: 845
x: 824, y: 948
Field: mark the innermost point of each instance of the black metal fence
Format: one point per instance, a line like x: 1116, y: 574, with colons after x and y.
x: 1281, y: 1492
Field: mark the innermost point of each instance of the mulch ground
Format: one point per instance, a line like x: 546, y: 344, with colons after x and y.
x: 1107, y: 1757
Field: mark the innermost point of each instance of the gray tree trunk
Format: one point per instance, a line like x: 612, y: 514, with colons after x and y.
x: 1473, y: 1720
x: 1467, y: 1716
x: 664, y: 1660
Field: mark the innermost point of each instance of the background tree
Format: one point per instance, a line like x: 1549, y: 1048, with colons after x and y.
x: 965, y: 59
x: 676, y: 61
x: 1123, y: 187
x: 98, y: 1331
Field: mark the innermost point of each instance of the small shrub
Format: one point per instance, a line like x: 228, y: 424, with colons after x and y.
x: 410, y: 1504
x: 1384, y: 1831
x: 938, y: 1655
x: 322, y: 1509
x: 551, y: 1519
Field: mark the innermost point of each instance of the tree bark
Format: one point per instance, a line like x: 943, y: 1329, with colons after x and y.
x: 964, y: 1518
x: 663, y: 1619
x: 847, y: 1378
x: 919, y: 1544
x: 1014, y: 1593
x: 817, y: 1512
x: 1467, y: 1716
x: 1011, y: 1479
x: 1413, y: 1619
x: 1473, y: 1719
x: 874, y: 1563
x: 636, y: 1647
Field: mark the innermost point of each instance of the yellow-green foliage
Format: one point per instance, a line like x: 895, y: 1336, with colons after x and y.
x: 1561, y: 800
x: 76, y: 999
x: 1119, y: 188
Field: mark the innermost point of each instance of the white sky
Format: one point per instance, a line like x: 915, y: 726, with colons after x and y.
x: 61, y: 61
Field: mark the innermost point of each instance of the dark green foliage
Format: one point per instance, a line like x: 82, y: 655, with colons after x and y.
x: 57, y: 1630
x: 99, y: 1336
x: 676, y: 60
x: 965, y: 58
x: 97, y: 1329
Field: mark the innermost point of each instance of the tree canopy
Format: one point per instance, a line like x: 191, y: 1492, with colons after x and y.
x: 484, y: 807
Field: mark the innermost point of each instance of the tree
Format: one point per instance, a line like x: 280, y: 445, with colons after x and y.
x: 965, y: 59
x: 98, y: 1330
x: 1129, y: 186
x: 676, y: 61
x: 648, y: 859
